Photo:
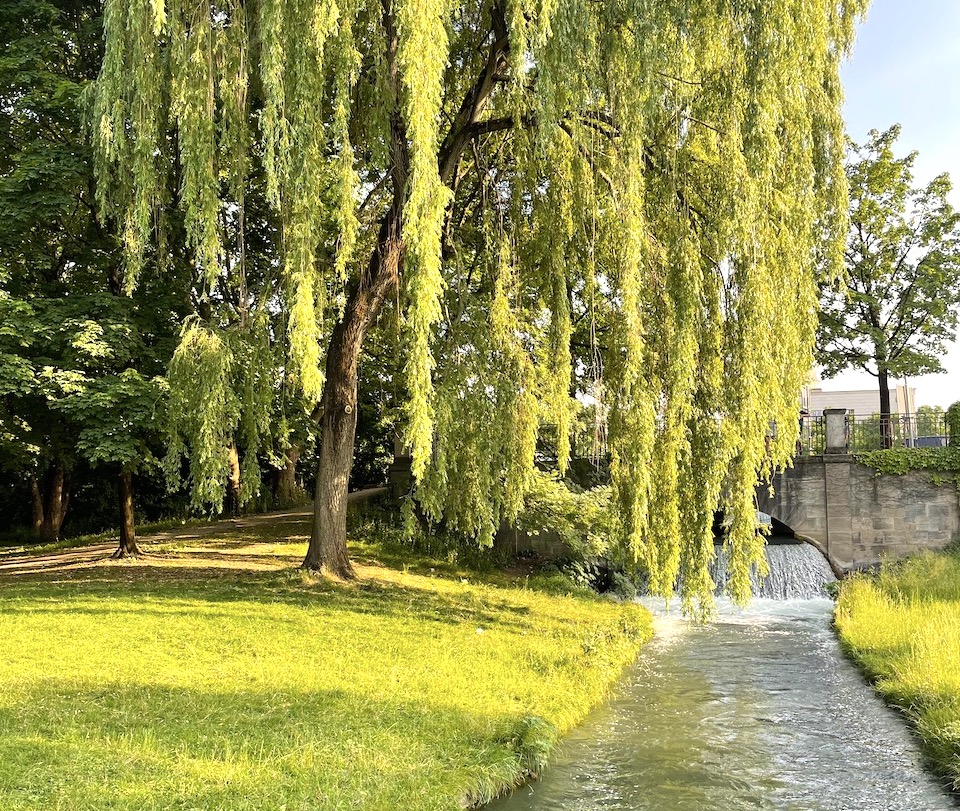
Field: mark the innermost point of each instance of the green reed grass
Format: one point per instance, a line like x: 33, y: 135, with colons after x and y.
x: 902, y: 627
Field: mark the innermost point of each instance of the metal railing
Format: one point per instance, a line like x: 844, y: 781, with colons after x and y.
x: 876, y: 433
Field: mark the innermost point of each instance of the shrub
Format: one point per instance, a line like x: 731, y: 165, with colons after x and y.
x: 583, y: 519
x: 953, y: 424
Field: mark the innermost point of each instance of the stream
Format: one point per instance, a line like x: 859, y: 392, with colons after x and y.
x: 758, y: 710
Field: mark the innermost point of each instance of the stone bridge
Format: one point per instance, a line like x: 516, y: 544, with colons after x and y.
x: 858, y: 517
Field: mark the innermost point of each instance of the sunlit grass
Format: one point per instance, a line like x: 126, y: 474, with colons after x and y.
x: 212, y: 675
x: 22, y: 541
x: 903, y: 628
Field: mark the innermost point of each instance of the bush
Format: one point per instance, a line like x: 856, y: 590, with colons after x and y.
x: 583, y: 519
x: 953, y: 424
x: 402, y: 531
x: 622, y: 586
x: 551, y: 580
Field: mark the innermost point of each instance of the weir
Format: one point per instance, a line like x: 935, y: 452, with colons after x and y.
x: 796, y: 571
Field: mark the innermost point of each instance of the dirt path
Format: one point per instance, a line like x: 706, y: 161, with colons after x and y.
x: 293, y: 522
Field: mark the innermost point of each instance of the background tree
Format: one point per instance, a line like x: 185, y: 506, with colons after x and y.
x: 931, y: 421
x: 79, y: 361
x: 48, y: 50
x: 499, y: 170
x: 897, y: 304
x: 953, y: 424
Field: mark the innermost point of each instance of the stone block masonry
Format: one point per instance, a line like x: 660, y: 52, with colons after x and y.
x: 860, y: 517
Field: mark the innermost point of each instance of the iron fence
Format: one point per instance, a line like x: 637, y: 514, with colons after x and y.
x: 876, y: 433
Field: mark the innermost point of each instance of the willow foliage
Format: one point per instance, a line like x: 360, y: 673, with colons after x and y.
x: 667, y: 173
x: 221, y: 394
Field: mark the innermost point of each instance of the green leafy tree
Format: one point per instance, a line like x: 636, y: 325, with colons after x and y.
x: 110, y: 389
x: 953, y: 424
x: 80, y: 362
x: 930, y: 421
x: 897, y: 305
x: 502, y: 171
x: 18, y: 326
x: 47, y: 51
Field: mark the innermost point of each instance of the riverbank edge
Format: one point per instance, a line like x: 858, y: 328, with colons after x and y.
x: 936, y: 759
x: 537, y: 742
x: 928, y: 748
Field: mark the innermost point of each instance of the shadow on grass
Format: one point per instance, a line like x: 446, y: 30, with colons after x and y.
x: 264, y: 530
x: 149, y: 746
x: 227, y: 543
x: 211, y: 585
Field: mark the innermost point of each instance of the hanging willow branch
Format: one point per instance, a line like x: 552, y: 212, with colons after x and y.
x: 677, y: 165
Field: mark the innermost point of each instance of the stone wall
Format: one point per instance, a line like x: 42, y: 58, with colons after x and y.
x: 860, y: 517
x: 546, y: 545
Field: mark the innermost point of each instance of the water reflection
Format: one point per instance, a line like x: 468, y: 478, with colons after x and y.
x: 757, y: 711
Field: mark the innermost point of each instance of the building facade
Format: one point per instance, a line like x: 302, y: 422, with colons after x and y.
x: 860, y: 403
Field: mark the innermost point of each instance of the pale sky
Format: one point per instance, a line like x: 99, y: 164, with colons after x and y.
x: 905, y: 69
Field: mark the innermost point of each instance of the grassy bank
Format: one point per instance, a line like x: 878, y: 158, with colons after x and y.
x: 903, y: 628
x: 212, y: 675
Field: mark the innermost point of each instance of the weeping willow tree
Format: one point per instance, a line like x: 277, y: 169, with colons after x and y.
x: 501, y: 171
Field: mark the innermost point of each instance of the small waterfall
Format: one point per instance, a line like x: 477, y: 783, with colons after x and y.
x: 797, y: 572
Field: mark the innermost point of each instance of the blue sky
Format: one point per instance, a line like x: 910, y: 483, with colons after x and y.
x: 905, y: 68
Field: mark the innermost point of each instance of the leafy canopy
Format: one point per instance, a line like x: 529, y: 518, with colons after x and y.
x: 80, y: 364
x: 664, y: 172
x: 897, y: 307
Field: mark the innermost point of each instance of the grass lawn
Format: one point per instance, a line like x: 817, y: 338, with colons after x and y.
x: 903, y: 628
x: 213, y: 675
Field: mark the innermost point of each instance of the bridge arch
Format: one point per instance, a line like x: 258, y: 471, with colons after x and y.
x: 858, y: 517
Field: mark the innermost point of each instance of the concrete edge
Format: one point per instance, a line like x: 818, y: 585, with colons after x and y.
x: 838, y: 571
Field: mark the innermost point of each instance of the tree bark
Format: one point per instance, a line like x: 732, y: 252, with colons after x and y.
x: 36, y: 499
x: 233, y: 481
x: 128, y: 534
x: 338, y: 426
x: 55, y: 503
x: 886, y: 429
x: 288, y: 490
x: 328, y: 541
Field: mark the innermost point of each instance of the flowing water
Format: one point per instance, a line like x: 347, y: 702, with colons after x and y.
x: 758, y: 710
x: 797, y: 571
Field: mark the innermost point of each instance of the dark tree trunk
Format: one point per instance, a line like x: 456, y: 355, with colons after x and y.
x: 128, y: 528
x: 36, y: 500
x: 338, y: 425
x: 287, y: 490
x: 328, y: 541
x: 128, y: 533
x: 233, y: 481
x: 886, y: 428
x: 53, y: 503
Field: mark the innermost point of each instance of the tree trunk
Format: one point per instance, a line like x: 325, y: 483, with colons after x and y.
x: 288, y: 490
x: 338, y: 426
x: 328, y: 541
x: 233, y: 481
x: 886, y: 428
x: 55, y: 503
x: 128, y: 534
x: 36, y: 499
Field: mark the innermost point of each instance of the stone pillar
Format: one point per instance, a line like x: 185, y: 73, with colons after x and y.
x: 838, y: 511
x: 838, y: 440
x: 400, y: 473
